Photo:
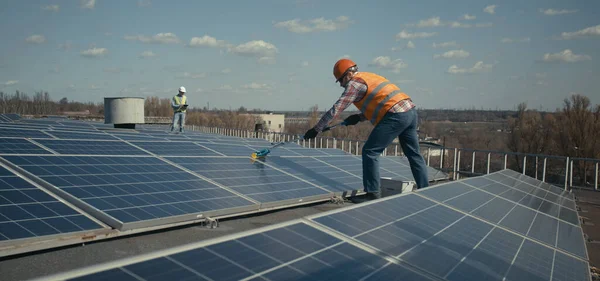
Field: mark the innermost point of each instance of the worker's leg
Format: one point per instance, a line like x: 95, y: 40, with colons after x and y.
x: 409, y: 140
x: 182, y: 119
x: 175, y: 119
x: 381, y: 137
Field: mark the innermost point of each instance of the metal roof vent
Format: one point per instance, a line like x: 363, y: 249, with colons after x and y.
x: 124, y: 112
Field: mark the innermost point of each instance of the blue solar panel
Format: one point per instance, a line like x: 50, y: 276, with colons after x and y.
x: 81, y: 135
x: 171, y: 148
x: 91, y: 147
x: 400, y: 167
x: 20, y: 146
x: 294, y: 252
x: 136, y: 137
x: 229, y: 150
x: 253, y: 179
x: 318, y: 172
x: 26, y: 212
x: 130, y: 189
x: 448, y: 243
x: 22, y: 133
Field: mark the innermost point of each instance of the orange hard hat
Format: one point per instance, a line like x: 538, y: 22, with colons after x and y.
x: 340, y: 68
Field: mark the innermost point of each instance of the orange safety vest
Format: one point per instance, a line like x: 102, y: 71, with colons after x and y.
x: 380, y: 97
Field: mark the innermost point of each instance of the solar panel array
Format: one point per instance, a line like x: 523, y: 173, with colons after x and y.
x: 450, y: 231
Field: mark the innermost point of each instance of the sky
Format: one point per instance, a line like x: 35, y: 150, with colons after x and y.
x: 279, y: 55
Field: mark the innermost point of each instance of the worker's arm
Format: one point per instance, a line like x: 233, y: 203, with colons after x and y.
x: 173, y: 104
x: 354, y: 90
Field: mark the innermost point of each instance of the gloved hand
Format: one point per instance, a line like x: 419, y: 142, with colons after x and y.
x: 352, y: 120
x: 310, y: 134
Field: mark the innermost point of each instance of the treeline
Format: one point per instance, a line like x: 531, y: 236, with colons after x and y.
x: 40, y: 104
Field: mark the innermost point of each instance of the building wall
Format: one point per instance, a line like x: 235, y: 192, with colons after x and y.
x: 273, y: 122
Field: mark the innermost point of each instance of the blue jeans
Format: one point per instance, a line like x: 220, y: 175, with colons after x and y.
x: 404, y: 126
x: 178, y: 118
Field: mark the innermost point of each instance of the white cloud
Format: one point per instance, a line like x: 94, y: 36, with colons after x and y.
x: 160, y: 38
x: 388, y: 63
x: 552, y: 12
x: 515, y: 40
x: 446, y: 45
x: 491, y: 9
x: 226, y: 71
x: 88, y: 4
x: 437, y: 22
x: 143, y: 3
x: 453, y: 54
x: 456, y: 24
x: 314, y: 25
x: 225, y: 88
x: 266, y: 60
x: 304, y: 63
x: 192, y: 75
x: 468, y: 17
x: 94, y: 87
x: 479, y: 67
x: 207, y: 41
x: 407, y: 35
x: 94, y: 52
x: 565, y: 56
x: 10, y: 82
x: 409, y: 45
x: 257, y: 86
x: 586, y: 32
x: 147, y: 54
x: 36, y: 39
x: 430, y: 22
x: 264, y: 51
x: 53, y: 8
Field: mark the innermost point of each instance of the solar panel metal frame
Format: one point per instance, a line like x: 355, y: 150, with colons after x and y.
x: 18, y: 246
x: 115, y: 223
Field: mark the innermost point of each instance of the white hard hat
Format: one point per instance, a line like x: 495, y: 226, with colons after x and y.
x: 182, y: 89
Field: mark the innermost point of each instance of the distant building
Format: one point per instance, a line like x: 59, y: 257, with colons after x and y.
x: 271, y: 122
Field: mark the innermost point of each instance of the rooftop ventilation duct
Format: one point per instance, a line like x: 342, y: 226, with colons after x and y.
x: 124, y: 112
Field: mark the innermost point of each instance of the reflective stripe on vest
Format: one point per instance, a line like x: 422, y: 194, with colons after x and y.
x: 380, y: 97
x: 180, y: 101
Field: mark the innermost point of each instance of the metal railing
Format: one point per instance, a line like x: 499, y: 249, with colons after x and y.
x: 562, y: 171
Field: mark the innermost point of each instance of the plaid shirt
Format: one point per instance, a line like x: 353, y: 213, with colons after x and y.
x: 354, y: 92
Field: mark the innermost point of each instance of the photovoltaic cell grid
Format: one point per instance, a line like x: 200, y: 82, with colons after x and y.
x: 229, y: 149
x: 250, y: 178
x: 91, y: 147
x: 26, y: 211
x: 452, y: 245
x: 130, y: 189
x: 320, y: 173
x: 175, y: 148
x: 293, y: 252
x: 401, y: 167
x: 81, y: 135
x: 23, y: 133
x: 20, y: 146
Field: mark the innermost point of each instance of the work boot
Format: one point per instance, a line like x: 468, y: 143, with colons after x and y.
x: 367, y: 197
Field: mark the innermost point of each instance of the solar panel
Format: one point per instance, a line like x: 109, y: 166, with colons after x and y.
x: 318, y: 172
x: 253, y: 179
x: 131, y: 191
x: 4, y: 119
x: 91, y: 147
x: 449, y: 243
x: 288, y: 252
x: 20, y: 146
x: 23, y: 133
x: 229, y: 149
x: 401, y: 167
x: 333, y: 151
x: 171, y: 148
x: 28, y: 212
x: 81, y: 135
x: 133, y: 137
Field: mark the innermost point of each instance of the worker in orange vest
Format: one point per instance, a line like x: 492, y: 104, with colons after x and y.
x: 389, y: 109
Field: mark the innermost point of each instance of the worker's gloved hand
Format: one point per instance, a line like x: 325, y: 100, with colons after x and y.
x: 310, y: 134
x: 352, y: 120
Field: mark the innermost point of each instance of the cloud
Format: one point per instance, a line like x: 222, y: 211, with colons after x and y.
x: 315, y: 25
x: 36, y: 39
x: 264, y: 51
x: 147, y: 54
x: 10, y: 82
x: 566, y: 56
x: 226, y: 71
x: 143, y: 3
x: 407, y: 35
x: 94, y: 87
x: 207, y: 41
x: 491, y: 9
x: 94, y: 52
x: 583, y: 33
x: 552, y: 12
x: 256, y: 86
x: 479, y: 67
x: 515, y: 40
x: 266, y: 60
x: 192, y: 75
x: 52, y: 8
x: 453, y: 54
x: 304, y: 63
x: 88, y: 4
x: 160, y: 38
x: 409, y: 45
x: 468, y: 17
x: 437, y: 22
x: 446, y: 45
x: 430, y: 22
x: 388, y: 63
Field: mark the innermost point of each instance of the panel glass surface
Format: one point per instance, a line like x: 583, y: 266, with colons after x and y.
x: 91, y: 147
x: 22, y: 133
x: 230, y: 149
x: 20, y: 146
x: 26, y: 211
x: 130, y: 189
x: 251, y: 178
x: 175, y: 148
x: 80, y: 135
